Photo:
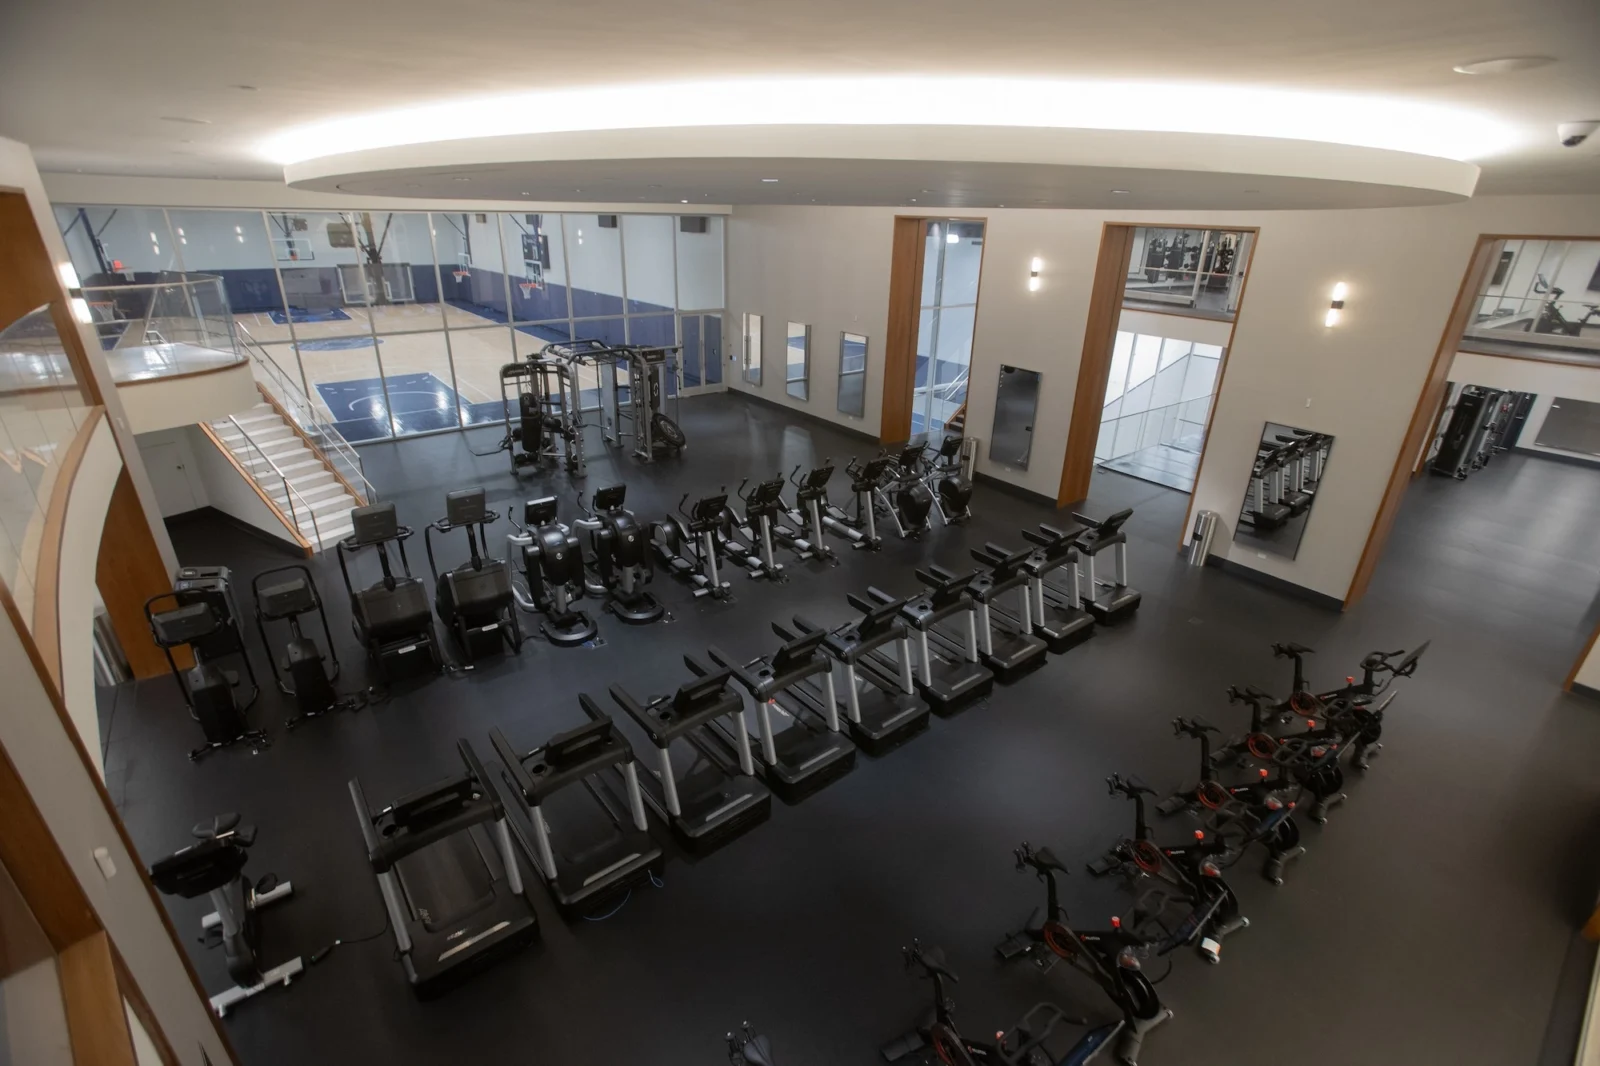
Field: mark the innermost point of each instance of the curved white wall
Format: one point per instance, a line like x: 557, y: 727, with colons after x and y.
x: 163, y: 403
x: 76, y: 593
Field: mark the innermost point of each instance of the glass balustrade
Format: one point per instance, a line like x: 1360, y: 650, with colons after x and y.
x: 178, y: 324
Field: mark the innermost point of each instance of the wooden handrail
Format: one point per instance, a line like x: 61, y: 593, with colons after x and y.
x: 47, y: 570
x: 316, y: 449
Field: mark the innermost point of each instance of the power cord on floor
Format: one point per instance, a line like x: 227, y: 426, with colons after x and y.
x: 318, y: 956
x: 654, y: 881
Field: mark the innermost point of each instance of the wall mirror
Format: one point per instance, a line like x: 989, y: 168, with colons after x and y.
x: 852, y: 374
x: 1016, y: 403
x: 1283, y: 486
x: 797, y: 361
x: 752, y: 349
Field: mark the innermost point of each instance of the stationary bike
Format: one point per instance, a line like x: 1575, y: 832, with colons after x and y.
x: 215, y: 867
x: 1024, y: 1044
x: 552, y: 567
x: 688, y: 546
x: 1109, y: 957
x: 747, y: 1048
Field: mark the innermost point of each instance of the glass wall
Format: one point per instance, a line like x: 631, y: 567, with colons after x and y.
x: 395, y: 322
x: 1158, y: 399
x: 951, y: 262
x: 1197, y: 270
x: 41, y: 409
x: 1540, y: 294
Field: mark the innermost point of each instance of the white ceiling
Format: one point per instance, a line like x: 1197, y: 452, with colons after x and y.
x: 89, y: 83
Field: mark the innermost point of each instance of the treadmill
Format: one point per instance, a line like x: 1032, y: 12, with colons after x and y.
x: 1006, y: 643
x: 800, y: 759
x: 1115, y: 600
x: 1058, y: 613
x: 449, y: 878
x: 588, y: 853
x: 882, y: 708
x: 948, y: 673
x: 707, y: 803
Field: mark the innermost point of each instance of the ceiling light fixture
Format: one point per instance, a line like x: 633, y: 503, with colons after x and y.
x: 1503, y: 65
x: 245, y: 88
x: 1119, y: 192
x: 770, y: 181
x: 185, y: 120
x: 1367, y: 120
x: 683, y: 201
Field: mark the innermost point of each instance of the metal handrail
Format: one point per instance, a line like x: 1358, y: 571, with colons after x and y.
x: 183, y: 278
x: 290, y: 493
x: 323, y: 436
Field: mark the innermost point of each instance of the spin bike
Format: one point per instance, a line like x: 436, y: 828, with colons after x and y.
x: 1191, y: 872
x: 1024, y: 1044
x: 1108, y: 957
x: 748, y: 1048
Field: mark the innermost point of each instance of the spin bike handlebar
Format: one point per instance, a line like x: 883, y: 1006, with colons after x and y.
x: 1248, y: 694
x: 1127, y: 786
x: 916, y: 956
x: 1193, y: 727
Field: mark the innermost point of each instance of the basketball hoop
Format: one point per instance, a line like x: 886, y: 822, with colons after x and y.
x: 461, y: 274
x: 527, y: 288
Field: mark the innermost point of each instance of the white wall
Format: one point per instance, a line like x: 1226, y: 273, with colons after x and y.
x: 227, y: 490
x: 77, y: 595
x: 162, y: 403
x: 1589, y: 672
x: 825, y: 266
x: 1359, y: 381
x: 181, y: 441
x: 1178, y: 327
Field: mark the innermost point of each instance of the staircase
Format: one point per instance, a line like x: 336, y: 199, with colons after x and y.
x: 309, y: 497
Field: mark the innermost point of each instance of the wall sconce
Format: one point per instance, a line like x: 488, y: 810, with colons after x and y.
x: 1335, y: 308
x: 1033, y: 274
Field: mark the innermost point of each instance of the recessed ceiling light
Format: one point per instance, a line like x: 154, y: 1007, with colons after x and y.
x: 1503, y: 65
x: 683, y: 201
x: 462, y: 179
x: 186, y: 120
x: 1119, y: 192
x: 769, y: 181
x: 913, y: 199
x: 524, y: 194
x: 1251, y: 192
x: 655, y: 186
x: 245, y: 88
x: 927, y: 190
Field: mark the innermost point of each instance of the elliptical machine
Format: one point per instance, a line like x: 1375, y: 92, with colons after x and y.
x: 688, y: 546
x: 474, y: 600
x: 619, y: 550
x: 310, y: 681
x: 202, y: 616
x: 748, y: 538
x: 952, y: 489
x: 860, y: 525
x: 215, y: 867
x: 905, y: 497
x: 804, y: 530
x: 552, y: 566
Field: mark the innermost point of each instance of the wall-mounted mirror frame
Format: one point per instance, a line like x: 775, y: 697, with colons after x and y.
x: 752, y: 349
x: 853, y: 374
x: 1283, y: 485
x: 1016, y: 404
x: 797, y: 361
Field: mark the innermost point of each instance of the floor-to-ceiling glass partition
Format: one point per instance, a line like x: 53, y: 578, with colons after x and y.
x: 1158, y: 400
x: 951, y: 263
x: 396, y: 323
x: 1197, y: 271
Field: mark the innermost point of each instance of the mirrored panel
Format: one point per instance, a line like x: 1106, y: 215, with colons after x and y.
x: 1283, y: 486
x: 796, y: 363
x: 1015, y: 405
x: 752, y: 349
x: 852, y: 374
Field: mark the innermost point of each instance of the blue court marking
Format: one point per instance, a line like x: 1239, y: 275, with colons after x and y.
x: 301, y: 314
x: 338, y: 344
x: 420, y: 402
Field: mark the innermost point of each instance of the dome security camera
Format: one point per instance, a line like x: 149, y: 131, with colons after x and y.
x: 1572, y: 134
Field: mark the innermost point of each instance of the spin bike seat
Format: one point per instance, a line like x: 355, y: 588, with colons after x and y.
x: 215, y: 827
x: 758, y: 1052
x: 1293, y: 649
x: 1047, y: 858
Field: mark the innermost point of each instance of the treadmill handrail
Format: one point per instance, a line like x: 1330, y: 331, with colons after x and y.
x: 662, y: 733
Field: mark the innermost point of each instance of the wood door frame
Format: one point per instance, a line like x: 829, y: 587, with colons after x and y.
x: 906, y: 262
x: 1107, y: 298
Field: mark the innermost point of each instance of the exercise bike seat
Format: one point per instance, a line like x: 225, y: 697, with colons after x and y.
x: 758, y: 1052
x: 215, y: 827
x: 1047, y: 858
x: 1292, y: 649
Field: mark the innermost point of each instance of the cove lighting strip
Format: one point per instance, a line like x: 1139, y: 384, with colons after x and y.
x: 1366, y: 121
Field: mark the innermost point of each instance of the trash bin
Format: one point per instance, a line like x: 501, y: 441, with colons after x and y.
x: 1205, y: 527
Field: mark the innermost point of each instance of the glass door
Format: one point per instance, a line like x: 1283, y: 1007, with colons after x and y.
x: 700, y: 366
x: 951, y: 263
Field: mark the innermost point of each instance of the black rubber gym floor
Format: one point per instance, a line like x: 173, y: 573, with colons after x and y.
x: 1431, y: 922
